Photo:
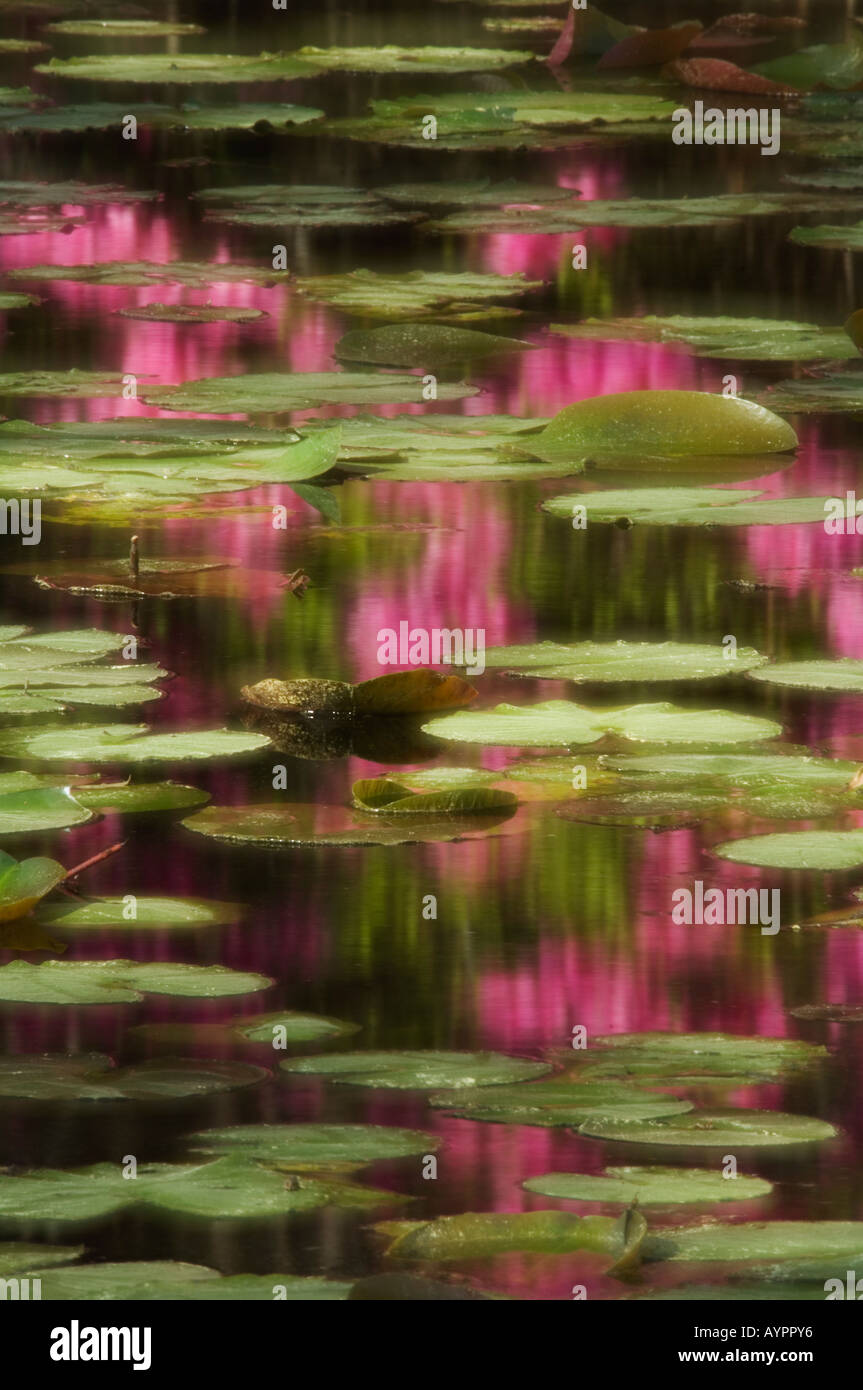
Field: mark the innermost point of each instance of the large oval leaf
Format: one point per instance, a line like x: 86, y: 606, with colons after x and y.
x: 417, y: 1071
x: 312, y: 1146
x: 119, y: 981
x: 729, y: 1129
x: 559, y: 722
x: 124, y: 743
x: 649, y: 1186
x: 797, y: 849
x: 624, y: 661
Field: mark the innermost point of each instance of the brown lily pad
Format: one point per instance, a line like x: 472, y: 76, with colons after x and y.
x: 716, y: 75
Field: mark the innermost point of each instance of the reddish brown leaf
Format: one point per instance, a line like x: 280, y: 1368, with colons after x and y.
x: 651, y: 47
x: 719, y: 76
x: 757, y: 23
x: 589, y: 33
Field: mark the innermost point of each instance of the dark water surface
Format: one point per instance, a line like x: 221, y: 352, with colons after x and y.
x: 554, y: 923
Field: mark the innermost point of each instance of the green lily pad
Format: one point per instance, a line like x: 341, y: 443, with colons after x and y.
x: 649, y: 1186
x: 689, y: 506
x: 483, y: 1235
x: 194, y: 274
x: 758, y: 770
x: 730, y: 1129
x: 415, y: 294
x: 759, y: 1240
x: 24, y: 883
x: 22, y: 193
x: 113, y: 913
x: 71, y: 383
x: 834, y: 65
x: 560, y: 722
x: 158, y: 1280
x: 624, y: 661
x: 735, y: 1293
x: 661, y: 423
x: 762, y: 340
x: 302, y: 205
x: 177, y: 68
x: 276, y: 393
x: 118, y: 981
x: 231, y: 1188
x: 798, y: 849
x: 844, y: 238
x: 389, y: 798
x: 122, y: 29
x: 829, y: 1013
x: 648, y: 810
x: 527, y: 24
x: 819, y: 395
x: 627, y: 1056
x: 314, y: 1146
x: 132, y: 799
x: 843, y: 674
x: 291, y: 1028
x: 323, y: 826
x: 95, y: 1078
x: 390, y: 58
x: 555, y: 219
x: 9, y: 300
x: 445, y: 779
x: 559, y: 1101
x: 192, y: 313
x: 471, y: 193
x: 422, y: 345
x: 416, y: 1071
x: 110, y: 116
x: 124, y: 743
x: 19, y: 1257
x: 41, y: 808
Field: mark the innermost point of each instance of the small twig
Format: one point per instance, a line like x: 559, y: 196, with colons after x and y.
x: 133, y: 557
x: 95, y: 859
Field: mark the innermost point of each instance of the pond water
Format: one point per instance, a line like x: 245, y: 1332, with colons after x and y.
x: 550, y: 923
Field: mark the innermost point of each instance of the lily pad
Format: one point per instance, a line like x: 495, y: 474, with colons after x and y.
x: 844, y: 238
x: 23, y: 193
x: 639, y: 1056
x: 759, y: 1240
x: 324, y: 826
x: 175, y: 68
x: 290, y: 1028
x: 38, y: 809
x: 24, y: 883
x: 624, y: 661
x: 132, y: 799
x: 819, y: 395
x: 829, y: 1013
x: 122, y: 29
x: 427, y: 345
x: 843, y: 674
x: 9, y: 300
x: 229, y: 1188
x: 662, y: 423
x: 416, y: 1071
x: 390, y: 798
x: 192, y: 313
x: 471, y: 193
x: 19, y: 1257
x: 390, y: 58
x: 415, y: 294
x: 71, y: 383
x: 118, y: 981
x: 278, y: 392
x: 559, y: 1101
x: 728, y: 1130
x: 110, y: 116
x: 758, y: 770
x: 649, y: 1186
x: 689, y: 506
x: 303, y: 205
x: 828, y: 850
x: 158, y: 1280
x: 124, y: 743
x: 95, y: 1078
x: 560, y: 722
x: 316, y: 1146
x: 762, y: 340
x: 483, y: 1235
x: 114, y: 913
x: 838, y: 66
x: 194, y: 274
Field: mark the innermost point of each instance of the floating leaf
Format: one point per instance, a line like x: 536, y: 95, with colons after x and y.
x: 661, y: 423
x: 729, y: 1129
x: 412, y: 692
x: 315, y: 1146
x: 762, y: 340
x: 110, y: 116
x: 798, y: 849
x: 624, y: 1056
x: 471, y: 193
x: 18, y: 1257
x: 771, y: 770
x: 650, y: 46
x: 389, y: 798
x: 141, y: 912
x: 290, y: 1028
x: 414, y: 294
x: 428, y: 345
x: 845, y: 238
x: 416, y: 1071
x: 560, y: 722
x: 124, y: 743
x: 279, y: 392
x: 71, y: 383
x: 843, y: 674
x: 158, y: 1280
x: 132, y: 799
x: 38, y: 809
x: 122, y: 29
x: 390, y: 58
x: 177, y: 68
x: 649, y: 1186
x: 819, y: 394
x: 689, y: 506
x: 714, y: 74
x: 559, y: 1101
x: 194, y: 274
x: 624, y: 661
x: 24, y: 883
x: 482, y: 1235
x: 838, y: 66
x: 323, y: 826
x: 192, y: 313
x: 829, y: 1013
x: 118, y: 981
x: 759, y: 1240
x: 95, y: 1078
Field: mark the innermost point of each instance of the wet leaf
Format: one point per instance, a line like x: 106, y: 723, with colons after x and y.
x: 417, y: 1071
x: 389, y: 798
x: 177, y: 68
x: 110, y: 116
x: 717, y: 210
x: 118, y: 981
x: 131, y: 799
x: 759, y: 1240
x: 194, y: 274
x: 838, y: 66
x: 95, y: 1078
x: 42, y: 808
x: 122, y: 29
x: 19, y: 1257
x: 277, y: 393
x: 192, y: 313
x: 158, y: 1280
x: 412, y: 692
x: 432, y: 346
x: 798, y: 849
x: 391, y: 58
x: 842, y: 674
x: 71, y: 383
x: 762, y: 340
x: 624, y: 661
x: 829, y: 1013
x: 714, y: 74
x: 656, y: 1055
x: 316, y: 1146
x: 689, y: 506
x: 559, y: 1101
x: 24, y: 883
x: 845, y: 238
x: 730, y: 1129
x: 124, y: 743
x: 649, y: 1186
x: 471, y: 193
x: 304, y: 696
x: 290, y: 1027
x: 414, y: 294
x: 138, y: 912
x: 483, y: 1235
x: 560, y: 722
x: 324, y: 826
